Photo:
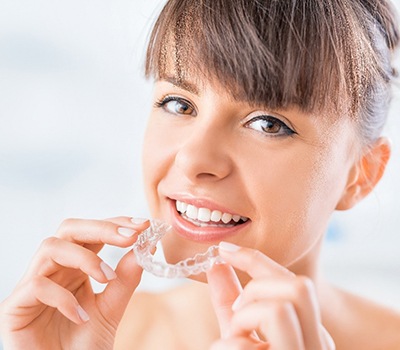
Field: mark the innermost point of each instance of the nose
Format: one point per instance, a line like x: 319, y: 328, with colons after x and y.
x: 204, y: 154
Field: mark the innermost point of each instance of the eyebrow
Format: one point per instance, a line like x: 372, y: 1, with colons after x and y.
x: 182, y: 84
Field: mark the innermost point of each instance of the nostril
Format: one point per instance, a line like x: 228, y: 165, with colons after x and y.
x: 203, y: 166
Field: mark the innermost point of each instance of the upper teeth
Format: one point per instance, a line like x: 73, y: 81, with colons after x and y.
x: 205, y: 214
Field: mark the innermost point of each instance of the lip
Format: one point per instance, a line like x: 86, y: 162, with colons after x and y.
x: 201, y: 234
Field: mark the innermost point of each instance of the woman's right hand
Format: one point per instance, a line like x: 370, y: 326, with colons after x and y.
x: 54, y: 306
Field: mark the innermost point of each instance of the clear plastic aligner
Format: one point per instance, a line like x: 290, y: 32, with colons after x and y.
x: 147, y: 241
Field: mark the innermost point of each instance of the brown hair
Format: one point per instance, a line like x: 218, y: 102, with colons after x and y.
x: 313, y: 54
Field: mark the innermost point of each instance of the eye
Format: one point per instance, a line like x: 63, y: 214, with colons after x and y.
x: 176, y: 105
x: 269, y: 125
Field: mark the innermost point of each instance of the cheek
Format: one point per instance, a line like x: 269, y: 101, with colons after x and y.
x: 150, y: 165
x: 157, y: 155
x: 296, y: 196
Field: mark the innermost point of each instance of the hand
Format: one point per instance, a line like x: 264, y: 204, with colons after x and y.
x: 54, y: 307
x: 276, y: 310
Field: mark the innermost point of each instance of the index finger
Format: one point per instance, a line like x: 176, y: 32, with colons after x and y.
x: 93, y: 234
x: 251, y: 261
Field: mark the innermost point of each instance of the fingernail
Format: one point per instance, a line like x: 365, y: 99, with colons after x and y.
x: 108, y: 271
x: 138, y: 221
x: 126, y: 232
x: 82, y: 314
x: 328, y: 338
x: 229, y: 247
x: 237, y: 302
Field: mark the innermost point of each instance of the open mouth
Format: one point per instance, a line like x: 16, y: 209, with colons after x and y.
x: 205, y: 217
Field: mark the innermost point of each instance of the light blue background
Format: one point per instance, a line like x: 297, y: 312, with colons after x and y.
x: 73, y: 106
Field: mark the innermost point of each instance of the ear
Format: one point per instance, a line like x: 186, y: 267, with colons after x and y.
x: 365, y: 174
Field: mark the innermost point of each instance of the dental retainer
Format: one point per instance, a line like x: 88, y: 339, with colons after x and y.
x: 148, y: 240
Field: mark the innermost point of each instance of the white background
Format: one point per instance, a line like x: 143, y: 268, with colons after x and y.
x: 73, y: 106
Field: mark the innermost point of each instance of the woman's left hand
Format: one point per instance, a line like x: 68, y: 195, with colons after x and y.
x: 276, y: 310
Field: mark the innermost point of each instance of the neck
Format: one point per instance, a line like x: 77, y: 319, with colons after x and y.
x: 307, y: 265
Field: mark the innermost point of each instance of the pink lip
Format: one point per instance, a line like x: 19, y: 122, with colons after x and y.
x: 201, y: 234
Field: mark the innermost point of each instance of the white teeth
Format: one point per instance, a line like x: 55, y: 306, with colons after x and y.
x: 183, y: 207
x: 192, y: 211
x: 206, y: 215
x: 216, y: 215
x: 226, y: 218
x: 236, y: 218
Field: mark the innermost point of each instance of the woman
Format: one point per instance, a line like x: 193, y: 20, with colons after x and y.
x: 267, y: 118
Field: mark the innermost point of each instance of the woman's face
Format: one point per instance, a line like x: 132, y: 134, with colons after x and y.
x: 266, y: 179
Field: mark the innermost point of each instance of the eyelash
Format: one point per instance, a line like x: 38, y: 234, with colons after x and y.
x: 163, y: 101
x: 287, y: 131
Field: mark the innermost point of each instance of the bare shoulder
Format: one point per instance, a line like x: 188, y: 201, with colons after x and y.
x: 359, y: 323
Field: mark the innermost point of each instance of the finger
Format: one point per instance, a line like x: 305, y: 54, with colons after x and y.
x: 96, y: 233
x: 115, y: 297
x: 41, y: 291
x: 125, y: 225
x: 327, y: 339
x: 224, y: 289
x: 238, y: 343
x: 277, y: 322
x: 251, y: 261
x: 56, y: 254
x: 125, y: 221
x: 300, y: 292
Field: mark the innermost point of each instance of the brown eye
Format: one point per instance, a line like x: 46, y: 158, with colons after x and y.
x: 179, y: 107
x: 269, y: 125
x: 176, y: 105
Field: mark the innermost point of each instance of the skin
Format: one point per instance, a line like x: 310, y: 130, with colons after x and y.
x: 203, y: 150
x: 269, y: 294
x: 45, y: 309
x: 203, y: 156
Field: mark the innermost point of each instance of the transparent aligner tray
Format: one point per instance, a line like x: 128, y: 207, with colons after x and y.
x: 147, y: 241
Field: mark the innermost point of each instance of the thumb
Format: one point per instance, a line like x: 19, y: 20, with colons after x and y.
x: 116, y: 295
x: 224, y: 289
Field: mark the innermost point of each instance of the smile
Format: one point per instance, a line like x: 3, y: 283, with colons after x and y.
x: 205, y: 217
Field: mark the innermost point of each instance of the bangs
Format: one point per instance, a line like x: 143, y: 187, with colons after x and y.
x: 275, y: 53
